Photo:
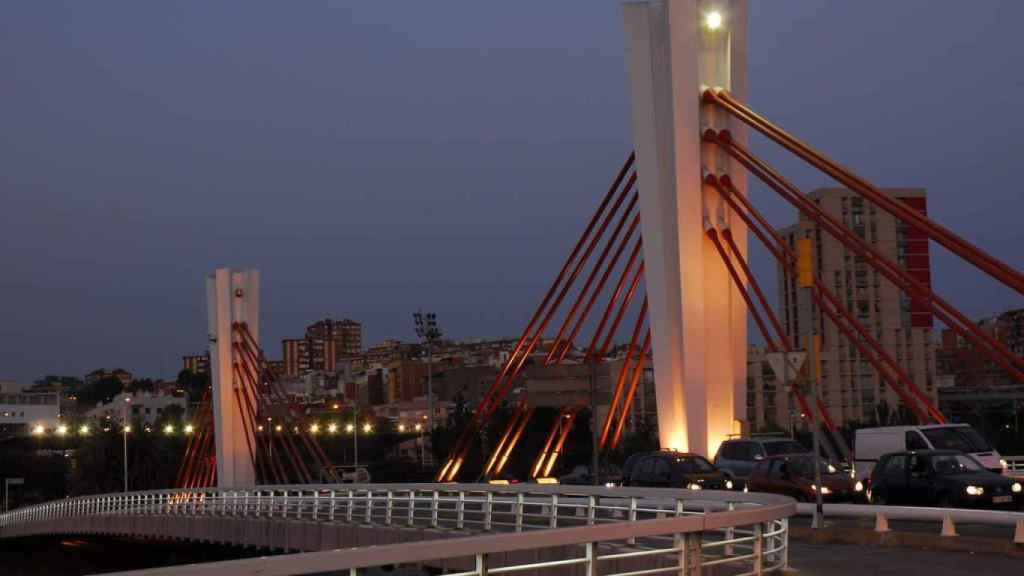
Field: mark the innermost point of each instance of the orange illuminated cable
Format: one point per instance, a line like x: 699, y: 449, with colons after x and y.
x: 638, y: 373
x: 542, y: 457
x: 515, y: 440
x: 620, y: 383
x: 566, y: 427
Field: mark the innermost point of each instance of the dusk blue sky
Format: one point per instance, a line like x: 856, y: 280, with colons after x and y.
x: 374, y: 157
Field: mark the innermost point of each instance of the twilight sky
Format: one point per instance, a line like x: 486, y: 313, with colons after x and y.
x: 375, y: 157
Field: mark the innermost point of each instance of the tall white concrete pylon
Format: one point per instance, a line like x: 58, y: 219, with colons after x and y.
x: 698, y: 319
x: 230, y: 297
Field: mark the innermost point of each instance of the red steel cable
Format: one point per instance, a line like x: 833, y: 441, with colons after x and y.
x: 623, y: 372
x: 898, y: 276
x: 731, y: 195
x: 752, y: 282
x: 954, y: 243
x: 784, y: 254
x: 515, y: 440
x: 619, y: 286
x: 510, y: 426
x: 601, y: 284
x: 592, y: 276
x: 486, y: 408
x: 769, y: 341
x: 543, y: 456
x: 638, y: 373
x: 622, y: 310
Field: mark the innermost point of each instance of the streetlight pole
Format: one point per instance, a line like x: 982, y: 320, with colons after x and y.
x: 124, y: 434
x: 805, y: 271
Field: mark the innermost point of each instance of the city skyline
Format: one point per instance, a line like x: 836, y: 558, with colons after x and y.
x: 127, y: 146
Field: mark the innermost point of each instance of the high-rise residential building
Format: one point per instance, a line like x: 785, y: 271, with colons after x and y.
x: 197, y: 364
x: 347, y: 335
x: 851, y: 388
x: 305, y: 355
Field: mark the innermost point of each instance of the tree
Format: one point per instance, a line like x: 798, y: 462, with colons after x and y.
x: 102, y: 390
x: 194, y: 384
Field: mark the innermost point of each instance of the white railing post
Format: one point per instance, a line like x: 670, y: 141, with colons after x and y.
x: 369, y: 507
x: 388, y: 510
x: 331, y: 512
x: 488, y: 510
x: 412, y: 507
x: 460, y: 514
x: 632, y: 517
x: 591, y: 510
x: 316, y: 503
x: 759, y: 548
x: 481, y: 564
x: 434, y: 504
x: 520, y: 498
x: 351, y: 506
x: 730, y: 532
x: 591, y: 566
x: 554, y: 510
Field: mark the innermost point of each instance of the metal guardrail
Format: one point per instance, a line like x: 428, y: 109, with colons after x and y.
x: 1014, y: 465
x: 611, y: 531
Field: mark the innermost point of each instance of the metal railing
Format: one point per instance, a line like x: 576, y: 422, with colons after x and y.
x: 1014, y: 465
x: 623, y: 531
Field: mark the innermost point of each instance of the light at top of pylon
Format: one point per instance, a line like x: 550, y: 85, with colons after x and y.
x: 713, y: 20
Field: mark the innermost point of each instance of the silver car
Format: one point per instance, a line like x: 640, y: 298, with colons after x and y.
x: 737, y: 457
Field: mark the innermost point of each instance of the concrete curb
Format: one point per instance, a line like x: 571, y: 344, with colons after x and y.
x: 894, y: 539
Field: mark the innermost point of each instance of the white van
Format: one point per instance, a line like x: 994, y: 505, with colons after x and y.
x: 871, y: 443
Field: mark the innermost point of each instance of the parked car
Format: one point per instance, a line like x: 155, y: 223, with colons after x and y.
x: 581, y: 475
x: 944, y: 478
x: 737, y: 457
x: 871, y: 443
x: 673, y: 470
x: 793, y: 475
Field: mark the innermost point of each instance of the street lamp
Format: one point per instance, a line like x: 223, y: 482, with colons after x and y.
x: 125, y: 429
x: 429, y: 333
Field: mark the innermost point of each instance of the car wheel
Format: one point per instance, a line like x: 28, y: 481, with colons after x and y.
x: 878, y: 498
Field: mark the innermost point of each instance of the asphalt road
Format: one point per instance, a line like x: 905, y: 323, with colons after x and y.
x: 842, y: 559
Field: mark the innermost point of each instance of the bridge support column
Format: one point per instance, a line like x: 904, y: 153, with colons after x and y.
x: 230, y: 297
x: 698, y: 320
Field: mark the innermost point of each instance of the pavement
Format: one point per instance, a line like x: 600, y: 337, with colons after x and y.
x: 809, y: 559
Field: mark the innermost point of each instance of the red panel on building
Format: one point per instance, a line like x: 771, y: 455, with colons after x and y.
x: 918, y: 263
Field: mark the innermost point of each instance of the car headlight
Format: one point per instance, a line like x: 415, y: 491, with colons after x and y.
x: 831, y: 469
x: 975, y: 490
x: 728, y: 484
x: 609, y: 484
x: 1015, y: 488
x: 858, y: 487
x: 693, y: 486
x: 825, y: 490
x: 1003, y: 464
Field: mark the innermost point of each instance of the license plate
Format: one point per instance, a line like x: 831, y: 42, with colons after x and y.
x: 1002, y: 499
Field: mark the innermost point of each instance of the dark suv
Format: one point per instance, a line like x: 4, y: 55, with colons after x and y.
x: 673, y: 470
x: 737, y: 457
x: 944, y: 478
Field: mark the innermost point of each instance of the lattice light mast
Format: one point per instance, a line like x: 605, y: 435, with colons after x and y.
x: 429, y: 334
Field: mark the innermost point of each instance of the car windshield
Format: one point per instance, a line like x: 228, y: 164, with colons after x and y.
x: 695, y: 465
x: 787, y: 447
x: 960, y: 438
x: 948, y: 464
x: 805, y: 467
